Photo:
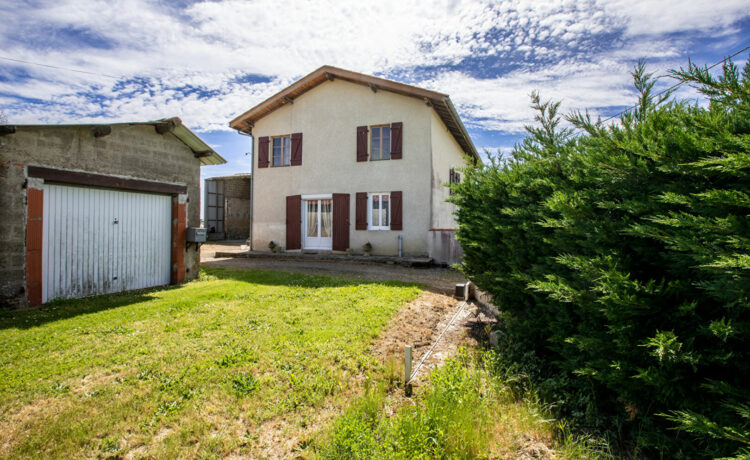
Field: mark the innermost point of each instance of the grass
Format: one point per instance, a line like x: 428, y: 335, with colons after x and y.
x: 199, y: 370
x: 467, y: 411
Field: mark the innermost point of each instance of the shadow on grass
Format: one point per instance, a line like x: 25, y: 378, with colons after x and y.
x: 68, y: 308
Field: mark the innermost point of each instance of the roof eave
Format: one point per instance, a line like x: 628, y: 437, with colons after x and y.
x: 245, y: 122
x: 200, y: 149
x: 469, y: 147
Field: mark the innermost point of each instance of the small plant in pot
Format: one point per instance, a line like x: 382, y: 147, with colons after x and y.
x: 367, y: 248
x: 272, y: 246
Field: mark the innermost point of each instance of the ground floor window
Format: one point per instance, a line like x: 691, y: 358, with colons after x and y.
x: 379, y: 208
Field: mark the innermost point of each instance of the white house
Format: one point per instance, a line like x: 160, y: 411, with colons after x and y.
x: 342, y: 159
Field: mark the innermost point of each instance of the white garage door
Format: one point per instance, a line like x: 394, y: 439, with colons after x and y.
x: 98, y: 241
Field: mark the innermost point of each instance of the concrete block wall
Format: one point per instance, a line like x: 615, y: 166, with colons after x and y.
x: 236, y: 206
x: 135, y: 151
x: 237, y: 187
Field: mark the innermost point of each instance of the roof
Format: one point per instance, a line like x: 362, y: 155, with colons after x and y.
x: 201, y: 150
x: 231, y: 176
x: 439, y: 101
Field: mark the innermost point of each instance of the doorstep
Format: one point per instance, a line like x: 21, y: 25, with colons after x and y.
x: 391, y: 260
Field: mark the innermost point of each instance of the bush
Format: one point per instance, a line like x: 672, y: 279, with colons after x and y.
x: 620, y: 257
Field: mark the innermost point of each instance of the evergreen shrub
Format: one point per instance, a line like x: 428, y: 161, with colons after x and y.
x: 619, y: 255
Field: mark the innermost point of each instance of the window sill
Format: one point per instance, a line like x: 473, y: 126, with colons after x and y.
x: 378, y: 229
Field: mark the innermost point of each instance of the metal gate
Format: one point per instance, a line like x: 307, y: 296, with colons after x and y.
x: 214, y: 214
x: 98, y: 241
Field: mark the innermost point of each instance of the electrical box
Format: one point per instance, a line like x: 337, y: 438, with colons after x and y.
x: 195, y: 235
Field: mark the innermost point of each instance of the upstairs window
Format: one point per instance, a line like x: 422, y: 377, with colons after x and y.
x: 282, y: 151
x: 380, y: 142
x: 380, y: 211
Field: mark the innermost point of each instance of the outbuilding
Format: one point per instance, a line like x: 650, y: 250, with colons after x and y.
x: 96, y: 209
x: 226, y: 213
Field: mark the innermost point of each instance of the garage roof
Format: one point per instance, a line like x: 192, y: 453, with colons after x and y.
x: 201, y: 150
x: 439, y: 101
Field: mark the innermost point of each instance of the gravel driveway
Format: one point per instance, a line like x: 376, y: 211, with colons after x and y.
x: 439, y: 280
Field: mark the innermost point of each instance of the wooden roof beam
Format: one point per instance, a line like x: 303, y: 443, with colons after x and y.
x: 101, y: 130
x: 288, y: 99
x: 167, y: 126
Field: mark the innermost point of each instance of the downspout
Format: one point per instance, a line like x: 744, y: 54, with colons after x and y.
x: 252, y: 189
x: 252, y: 184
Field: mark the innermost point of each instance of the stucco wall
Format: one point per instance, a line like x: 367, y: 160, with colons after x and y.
x: 134, y: 151
x: 328, y: 117
x: 446, y: 154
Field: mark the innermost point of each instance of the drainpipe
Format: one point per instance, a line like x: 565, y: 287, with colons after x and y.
x: 400, y: 244
x: 252, y: 189
x: 251, y: 153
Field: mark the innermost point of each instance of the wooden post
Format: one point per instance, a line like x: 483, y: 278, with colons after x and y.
x: 407, y: 370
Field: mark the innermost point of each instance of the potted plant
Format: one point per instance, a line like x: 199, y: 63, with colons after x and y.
x: 367, y: 248
x: 272, y: 246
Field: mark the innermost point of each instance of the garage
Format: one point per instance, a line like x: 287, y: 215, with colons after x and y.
x: 99, y: 241
x: 92, y: 209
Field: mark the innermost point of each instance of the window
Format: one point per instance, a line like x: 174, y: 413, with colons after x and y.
x: 380, y: 142
x: 454, y: 178
x: 282, y: 151
x: 379, y: 207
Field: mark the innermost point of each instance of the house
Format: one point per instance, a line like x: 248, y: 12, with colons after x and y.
x: 226, y: 210
x: 342, y: 159
x: 93, y: 209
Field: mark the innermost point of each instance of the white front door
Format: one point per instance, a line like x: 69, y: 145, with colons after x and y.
x: 317, y: 222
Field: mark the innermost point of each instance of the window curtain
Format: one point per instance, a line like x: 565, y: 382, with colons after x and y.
x: 326, y: 218
x: 312, y: 218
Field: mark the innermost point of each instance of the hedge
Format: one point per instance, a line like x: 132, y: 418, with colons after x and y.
x: 620, y: 257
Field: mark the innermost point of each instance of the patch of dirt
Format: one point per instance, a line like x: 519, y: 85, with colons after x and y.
x: 136, y: 452
x: 282, y: 437
x: 13, y: 423
x: 421, y: 323
x: 90, y: 382
x: 532, y: 449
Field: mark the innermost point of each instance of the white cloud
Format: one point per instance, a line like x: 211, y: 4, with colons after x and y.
x: 646, y: 17
x: 561, y: 48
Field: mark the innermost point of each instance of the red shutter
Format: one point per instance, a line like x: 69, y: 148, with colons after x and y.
x: 362, y: 143
x: 340, y: 222
x: 396, y: 211
x: 396, y: 131
x: 263, y: 152
x: 296, y: 149
x: 361, y: 211
x: 294, y: 222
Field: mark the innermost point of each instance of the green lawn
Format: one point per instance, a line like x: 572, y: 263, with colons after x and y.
x: 199, y: 370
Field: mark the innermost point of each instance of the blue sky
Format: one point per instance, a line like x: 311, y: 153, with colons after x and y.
x: 207, y: 62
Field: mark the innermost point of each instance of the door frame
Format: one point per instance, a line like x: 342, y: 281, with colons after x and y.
x: 318, y: 197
